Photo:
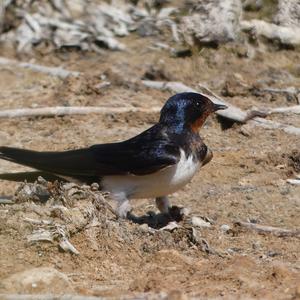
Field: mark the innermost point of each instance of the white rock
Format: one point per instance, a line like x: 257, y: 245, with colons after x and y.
x: 225, y: 227
x: 212, y: 21
x: 66, y: 246
x: 199, y: 222
x: 288, y: 13
x: 171, y: 226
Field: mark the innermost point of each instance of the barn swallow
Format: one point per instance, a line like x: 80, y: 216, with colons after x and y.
x: 155, y: 163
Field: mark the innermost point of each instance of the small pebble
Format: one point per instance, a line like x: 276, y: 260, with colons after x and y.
x: 230, y: 251
x: 285, y: 191
x: 185, y: 211
x: 41, y: 180
x: 144, y: 228
x: 272, y: 253
x: 256, y: 245
x: 94, y: 186
x: 225, y: 228
x: 253, y: 220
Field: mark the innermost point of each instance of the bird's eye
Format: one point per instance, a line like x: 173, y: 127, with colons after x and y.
x: 198, y: 104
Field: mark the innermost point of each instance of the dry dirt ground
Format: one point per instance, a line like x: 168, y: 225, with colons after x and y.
x: 245, y: 181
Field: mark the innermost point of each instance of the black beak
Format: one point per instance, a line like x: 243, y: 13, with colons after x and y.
x: 219, y: 106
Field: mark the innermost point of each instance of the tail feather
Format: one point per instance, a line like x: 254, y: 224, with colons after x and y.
x: 29, y: 176
x: 78, y: 163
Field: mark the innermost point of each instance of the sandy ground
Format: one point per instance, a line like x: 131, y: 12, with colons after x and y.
x: 245, y: 181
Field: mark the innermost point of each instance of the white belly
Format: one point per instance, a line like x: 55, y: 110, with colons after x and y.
x: 162, y: 183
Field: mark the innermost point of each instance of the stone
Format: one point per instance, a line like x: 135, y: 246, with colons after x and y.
x: 199, y: 222
x: 38, y: 280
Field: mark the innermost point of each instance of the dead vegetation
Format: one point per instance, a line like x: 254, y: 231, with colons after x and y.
x: 54, y: 219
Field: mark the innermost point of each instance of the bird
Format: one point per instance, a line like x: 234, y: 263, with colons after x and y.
x: 153, y: 164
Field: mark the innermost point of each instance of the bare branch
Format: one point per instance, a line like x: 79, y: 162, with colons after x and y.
x: 274, y: 125
x: 6, y: 201
x: 281, y: 232
x: 290, y: 109
x: 53, y: 71
x: 71, y: 110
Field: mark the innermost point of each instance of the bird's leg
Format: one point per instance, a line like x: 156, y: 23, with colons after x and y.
x: 123, y: 209
x: 163, y: 204
x: 123, y: 205
x: 175, y: 213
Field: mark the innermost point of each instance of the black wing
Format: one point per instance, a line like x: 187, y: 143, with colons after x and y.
x: 141, y: 155
x: 135, y: 158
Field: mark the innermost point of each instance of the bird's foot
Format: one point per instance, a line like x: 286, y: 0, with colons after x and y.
x: 163, y: 204
x: 177, y: 213
x: 159, y: 220
x: 138, y: 220
x: 174, y: 213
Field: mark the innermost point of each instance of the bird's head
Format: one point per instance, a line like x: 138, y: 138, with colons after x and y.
x: 188, y: 110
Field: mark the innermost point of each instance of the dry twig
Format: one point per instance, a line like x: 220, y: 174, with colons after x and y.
x: 71, y: 110
x: 53, y: 71
x: 6, y: 201
x: 281, y: 232
x: 268, y: 124
x: 279, y: 110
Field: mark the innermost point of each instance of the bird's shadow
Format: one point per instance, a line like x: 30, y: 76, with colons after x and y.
x: 158, y: 220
